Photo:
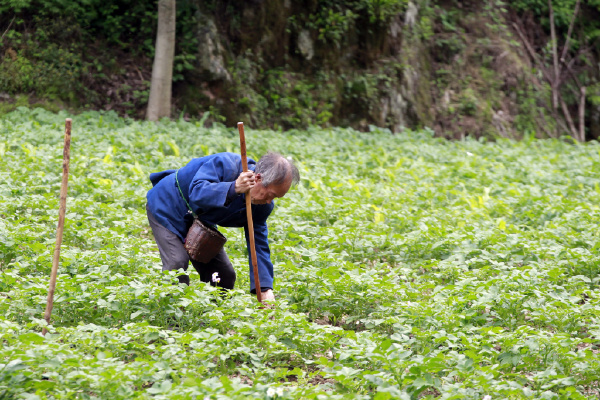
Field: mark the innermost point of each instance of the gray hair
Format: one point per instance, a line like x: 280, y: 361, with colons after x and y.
x: 275, y: 169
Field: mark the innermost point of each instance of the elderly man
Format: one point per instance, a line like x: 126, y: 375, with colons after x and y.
x: 214, y: 188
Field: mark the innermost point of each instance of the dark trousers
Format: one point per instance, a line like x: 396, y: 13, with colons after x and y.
x: 174, y: 256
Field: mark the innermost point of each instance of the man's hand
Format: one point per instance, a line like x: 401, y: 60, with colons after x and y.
x: 268, y: 295
x: 245, y: 182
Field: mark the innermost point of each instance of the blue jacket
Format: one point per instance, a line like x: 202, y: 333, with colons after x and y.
x: 205, y: 183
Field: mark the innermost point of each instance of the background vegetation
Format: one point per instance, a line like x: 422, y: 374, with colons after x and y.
x: 407, y: 267
x: 458, y: 67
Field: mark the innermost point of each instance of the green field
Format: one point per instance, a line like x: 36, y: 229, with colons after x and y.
x: 407, y: 267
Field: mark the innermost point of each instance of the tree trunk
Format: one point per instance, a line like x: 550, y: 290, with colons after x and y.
x: 555, y: 82
x: 582, y: 115
x: 159, y: 103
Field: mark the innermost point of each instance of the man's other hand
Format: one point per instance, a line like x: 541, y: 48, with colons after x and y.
x: 268, y: 295
x: 245, y: 182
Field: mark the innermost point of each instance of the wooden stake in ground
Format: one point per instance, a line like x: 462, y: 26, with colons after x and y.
x: 61, y: 222
x: 249, y: 216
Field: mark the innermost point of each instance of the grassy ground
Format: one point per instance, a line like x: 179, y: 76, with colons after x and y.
x: 406, y: 267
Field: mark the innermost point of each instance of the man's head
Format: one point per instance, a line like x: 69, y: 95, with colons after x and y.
x: 275, y: 175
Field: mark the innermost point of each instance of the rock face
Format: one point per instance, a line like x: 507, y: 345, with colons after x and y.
x: 411, y: 14
x: 406, y: 101
x: 305, y: 45
x: 211, y: 53
x: 393, y: 111
x: 286, y: 64
x: 322, y: 67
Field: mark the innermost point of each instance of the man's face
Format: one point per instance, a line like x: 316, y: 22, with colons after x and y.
x: 265, y: 194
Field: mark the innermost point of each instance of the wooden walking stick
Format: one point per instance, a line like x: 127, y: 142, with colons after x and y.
x: 61, y: 222
x: 249, y: 215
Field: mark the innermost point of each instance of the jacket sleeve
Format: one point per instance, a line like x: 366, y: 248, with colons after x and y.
x: 211, y: 183
x: 263, y: 256
x: 158, y: 176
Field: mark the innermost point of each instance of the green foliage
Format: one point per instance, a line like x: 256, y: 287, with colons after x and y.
x: 289, y: 97
x: 336, y: 21
x: 66, y: 57
x: 116, y: 21
x: 98, y: 55
x: 593, y: 94
x: 361, y: 93
x: 407, y: 267
x: 285, y: 99
x: 14, y: 5
x: 483, y: 85
x: 468, y: 102
x: 563, y: 13
x: 332, y: 26
x: 381, y: 11
x: 50, y: 70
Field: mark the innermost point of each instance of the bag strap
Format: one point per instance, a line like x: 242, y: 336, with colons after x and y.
x: 183, y: 197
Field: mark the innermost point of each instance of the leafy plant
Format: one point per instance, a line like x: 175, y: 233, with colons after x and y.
x: 407, y: 267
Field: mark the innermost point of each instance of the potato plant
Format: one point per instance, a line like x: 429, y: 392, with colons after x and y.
x: 407, y: 267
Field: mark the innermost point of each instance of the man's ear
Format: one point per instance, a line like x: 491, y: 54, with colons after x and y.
x: 258, y: 177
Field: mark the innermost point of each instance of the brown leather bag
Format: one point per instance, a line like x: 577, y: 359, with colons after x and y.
x: 202, y: 242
